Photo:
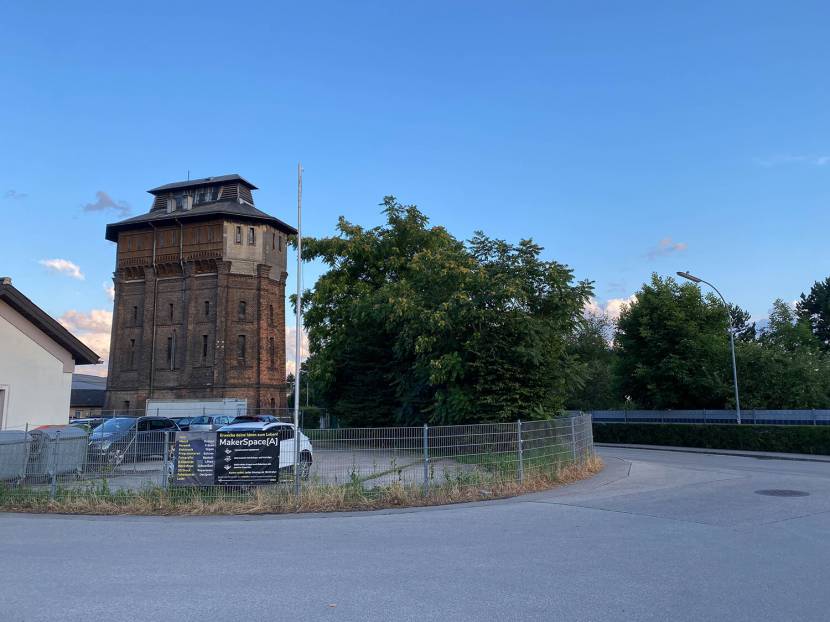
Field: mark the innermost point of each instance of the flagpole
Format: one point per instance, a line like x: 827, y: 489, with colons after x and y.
x: 298, y: 331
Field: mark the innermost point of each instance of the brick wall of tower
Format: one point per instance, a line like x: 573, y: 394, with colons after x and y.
x: 187, y: 301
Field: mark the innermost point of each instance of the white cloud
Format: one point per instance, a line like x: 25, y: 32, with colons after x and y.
x: 610, y: 308
x: 666, y: 247
x: 290, y: 349
x: 63, y: 266
x: 104, y: 201
x: 109, y: 288
x: 93, y: 328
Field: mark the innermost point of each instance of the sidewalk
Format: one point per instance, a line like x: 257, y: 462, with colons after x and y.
x: 759, y: 455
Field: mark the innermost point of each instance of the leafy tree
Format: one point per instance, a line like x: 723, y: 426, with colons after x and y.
x: 815, y: 308
x: 409, y: 325
x: 591, y: 345
x: 672, y: 348
x: 744, y: 329
x: 786, y: 367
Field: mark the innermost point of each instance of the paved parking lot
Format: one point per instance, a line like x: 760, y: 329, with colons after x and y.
x: 657, y: 536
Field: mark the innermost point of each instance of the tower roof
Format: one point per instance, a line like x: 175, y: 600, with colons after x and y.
x: 204, y: 181
x: 236, y: 204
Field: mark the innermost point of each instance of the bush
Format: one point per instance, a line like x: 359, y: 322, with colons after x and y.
x: 799, y: 439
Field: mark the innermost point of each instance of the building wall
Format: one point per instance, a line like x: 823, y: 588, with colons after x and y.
x: 192, y: 297
x: 35, y: 374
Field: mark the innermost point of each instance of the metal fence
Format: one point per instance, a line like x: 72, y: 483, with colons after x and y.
x: 748, y: 417
x: 60, y: 460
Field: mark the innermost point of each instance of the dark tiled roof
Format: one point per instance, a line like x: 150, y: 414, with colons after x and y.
x: 204, y: 211
x: 45, y: 322
x: 204, y: 181
x: 88, y: 381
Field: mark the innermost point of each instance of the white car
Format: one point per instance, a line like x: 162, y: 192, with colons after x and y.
x: 286, y: 436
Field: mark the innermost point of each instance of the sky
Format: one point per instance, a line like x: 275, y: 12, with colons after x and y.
x: 624, y: 137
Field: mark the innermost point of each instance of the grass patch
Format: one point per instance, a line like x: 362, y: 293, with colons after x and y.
x: 472, y: 485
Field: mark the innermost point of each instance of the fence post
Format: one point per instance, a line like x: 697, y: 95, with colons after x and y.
x: 520, y: 450
x: 53, y: 463
x: 573, y: 438
x: 166, y: 461
x: 813, y: 411
x: 426, y: 459
x: 26, y: 446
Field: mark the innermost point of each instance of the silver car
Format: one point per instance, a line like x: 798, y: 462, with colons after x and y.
x: 209, y: 423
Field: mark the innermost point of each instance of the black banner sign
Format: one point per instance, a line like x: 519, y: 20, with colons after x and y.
x: 247, y: 457
x: 195, y: 459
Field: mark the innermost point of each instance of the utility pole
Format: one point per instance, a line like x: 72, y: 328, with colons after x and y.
x: 297, y: 340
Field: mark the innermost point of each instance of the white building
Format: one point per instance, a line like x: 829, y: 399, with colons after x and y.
x: 37, y: 358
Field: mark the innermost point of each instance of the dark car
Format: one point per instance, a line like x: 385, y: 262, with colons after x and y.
x: 182, y: 422
x: 129, y: 439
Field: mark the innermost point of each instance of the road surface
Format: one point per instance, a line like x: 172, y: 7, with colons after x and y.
x: 657, y: 536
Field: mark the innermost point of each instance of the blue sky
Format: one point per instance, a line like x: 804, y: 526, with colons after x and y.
x: 625, y: 138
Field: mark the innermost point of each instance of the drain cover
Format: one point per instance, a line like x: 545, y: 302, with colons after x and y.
x: 782, y: 492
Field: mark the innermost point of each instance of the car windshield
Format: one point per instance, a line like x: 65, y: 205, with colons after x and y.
x: 119, y: 424
x: 246, y: 419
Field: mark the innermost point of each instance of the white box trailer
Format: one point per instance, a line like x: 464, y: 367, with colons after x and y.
x: 177, y: 409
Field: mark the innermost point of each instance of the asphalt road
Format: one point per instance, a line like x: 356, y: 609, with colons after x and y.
x: 657, y: 536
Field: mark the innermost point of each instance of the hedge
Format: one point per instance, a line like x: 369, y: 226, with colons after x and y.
x: 798, y: 439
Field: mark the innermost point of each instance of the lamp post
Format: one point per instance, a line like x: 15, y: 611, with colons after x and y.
x: 695, y: 279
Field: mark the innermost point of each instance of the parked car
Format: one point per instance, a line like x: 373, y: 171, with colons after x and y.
x: 254, y: 419
x: 182, y: 422
x: 129, y: 438
x: 208, y: 423
x: 89, y: 423
x: 286, y: 436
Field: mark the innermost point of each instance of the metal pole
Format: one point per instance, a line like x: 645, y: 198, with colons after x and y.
x: 26, y: 448
x: 426, y: 460
x: 734, y: 371
x: 166, y: 463
x: 298, y: 323
x: 695, y: 279
x: 53, y: 474
x: 573, y: 439
x: 520, y: 449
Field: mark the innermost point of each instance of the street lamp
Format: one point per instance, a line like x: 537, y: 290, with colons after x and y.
x: 695, y: 279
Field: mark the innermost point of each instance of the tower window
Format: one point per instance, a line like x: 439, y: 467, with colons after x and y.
x: 202, y: 196
x: 210, y: 234
x: 204, y: 347
x: 179, y: 202
x: 214, y: 194
x: 271, y: 313
x: 280, y: 242
x: 271, y: 351
x: 171, y: 351
x: 132, y: 352
x: 273, y: 404
x: 170, y: 311
x: 240, y: 346
x: 207, y: 308
x: 239, y: 235
x: 251, y: 236
x: 273, y: 241
x: 135, y: 314
x: 243, y: 309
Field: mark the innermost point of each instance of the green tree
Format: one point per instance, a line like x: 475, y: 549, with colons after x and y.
x: 786, y: 366
x: 815, y: 308
x: 672, y: 348
x: 408, y: 325
x: 591, y: 345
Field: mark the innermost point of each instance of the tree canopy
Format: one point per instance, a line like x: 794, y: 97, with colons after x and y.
x: 409, y: 324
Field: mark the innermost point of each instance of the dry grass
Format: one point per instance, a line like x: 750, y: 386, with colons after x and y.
x: 475, y: 486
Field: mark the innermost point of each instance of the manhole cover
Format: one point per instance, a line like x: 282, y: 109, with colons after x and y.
x: 782, y: 492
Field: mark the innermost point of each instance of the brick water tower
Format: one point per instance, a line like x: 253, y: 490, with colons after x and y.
x: 199, y: 307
